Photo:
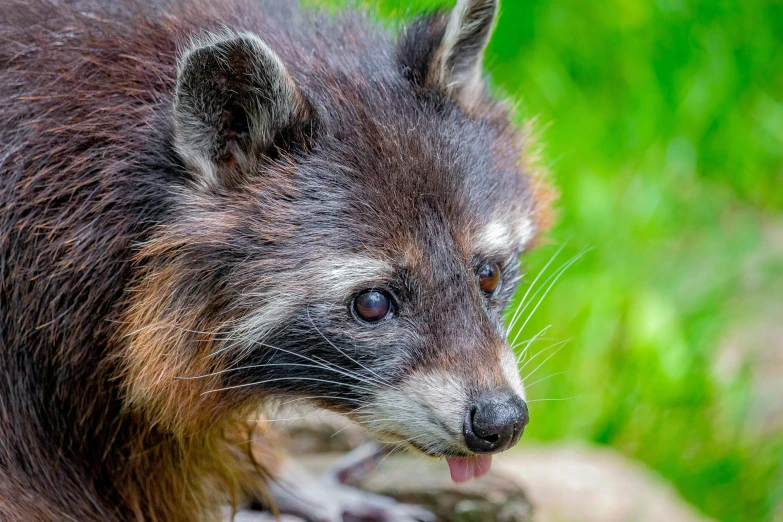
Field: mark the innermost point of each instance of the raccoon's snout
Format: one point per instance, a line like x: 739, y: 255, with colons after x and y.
x: 495, y: 422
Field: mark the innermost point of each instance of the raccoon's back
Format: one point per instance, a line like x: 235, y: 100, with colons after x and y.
x: 82, y: 164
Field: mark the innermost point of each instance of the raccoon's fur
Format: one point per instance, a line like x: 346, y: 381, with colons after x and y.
x: 192, y: 194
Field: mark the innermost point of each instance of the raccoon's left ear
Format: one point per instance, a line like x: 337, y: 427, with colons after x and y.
x: 446, y: 52
x: 235, y: 103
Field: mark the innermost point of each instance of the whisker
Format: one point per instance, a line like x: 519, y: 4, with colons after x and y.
x: 556, y: 277
x: 550, y: 280
x: 313, y: 379
x: 289, y: 419
x: 522, y: 301
x: 302, y: 417
x: 382, y: 380
x: 395, y: 448
x: 564, y: 343
x: 535, y: 338
x: 561, y: 399
x: 323, y: 364
x: 555, y: 345
x: 528, y: 386
x: 248, y: 367
x: 339, y: 431
x: 311, y: 397
x: 336, y: 369
x: 529, y: 342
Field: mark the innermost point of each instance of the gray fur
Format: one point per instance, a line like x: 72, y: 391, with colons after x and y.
x: 183, y: 232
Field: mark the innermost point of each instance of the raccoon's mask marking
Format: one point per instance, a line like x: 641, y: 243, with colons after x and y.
x: 308, y: 193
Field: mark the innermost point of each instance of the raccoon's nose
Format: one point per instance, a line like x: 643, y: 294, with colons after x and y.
x: 495, y: 422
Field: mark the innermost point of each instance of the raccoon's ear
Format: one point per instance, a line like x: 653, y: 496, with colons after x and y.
x: 446, y: 52
x: 235, y: 103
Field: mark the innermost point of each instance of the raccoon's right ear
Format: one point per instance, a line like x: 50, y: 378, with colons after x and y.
x: 445, y: 51
x: 235, y: 103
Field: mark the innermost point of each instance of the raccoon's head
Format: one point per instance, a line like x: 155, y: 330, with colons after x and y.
x: 350, y: 237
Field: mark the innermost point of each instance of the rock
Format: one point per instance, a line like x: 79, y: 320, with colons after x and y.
x: 426, y: 482
x: 492, y: 498
x: 586, y: 484
x: 319, y: 438
x: 562, y: 483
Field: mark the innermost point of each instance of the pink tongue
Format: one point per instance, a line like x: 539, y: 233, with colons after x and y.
x: 464, y: 468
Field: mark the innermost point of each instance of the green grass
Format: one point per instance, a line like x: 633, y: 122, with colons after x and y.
x: 663, y: 128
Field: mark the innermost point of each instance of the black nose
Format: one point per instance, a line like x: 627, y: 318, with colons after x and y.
x: 495, y: 422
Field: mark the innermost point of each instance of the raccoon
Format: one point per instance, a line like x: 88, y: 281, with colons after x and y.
x: 208, y: 207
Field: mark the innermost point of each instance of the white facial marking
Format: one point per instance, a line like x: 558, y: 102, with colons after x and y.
x: 508, y: 365
x: 429, y: 407
x: 495, y: 236
x: 272, y: 309
x: 276, y: 300
x: 524, y: 231
x: 340, y: 276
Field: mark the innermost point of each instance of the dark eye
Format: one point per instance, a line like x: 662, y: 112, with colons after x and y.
x: 372, y: 306
x: 489, y: 278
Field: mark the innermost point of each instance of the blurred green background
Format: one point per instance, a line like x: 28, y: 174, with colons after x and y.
x: 662, y: 125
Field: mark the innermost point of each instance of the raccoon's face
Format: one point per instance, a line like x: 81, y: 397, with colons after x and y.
x: 412, y: 255
x: 361, y: 234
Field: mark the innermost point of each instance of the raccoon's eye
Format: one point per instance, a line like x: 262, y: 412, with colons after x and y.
x: 372, y: 306
x: 489, y: 278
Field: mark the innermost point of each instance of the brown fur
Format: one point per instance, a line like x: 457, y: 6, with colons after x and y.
x: 128, y: 287
x: 86, y: 91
